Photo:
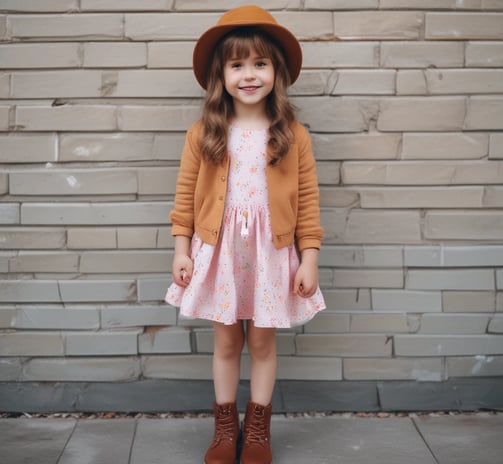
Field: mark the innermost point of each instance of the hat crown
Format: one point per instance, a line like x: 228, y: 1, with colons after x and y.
x: 248, y: 14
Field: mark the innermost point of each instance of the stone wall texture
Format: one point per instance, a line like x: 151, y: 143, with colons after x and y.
x: 404, y: 102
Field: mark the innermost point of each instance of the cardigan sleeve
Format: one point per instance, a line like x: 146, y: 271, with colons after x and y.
x: 309, y: 232
x: 182, y: 215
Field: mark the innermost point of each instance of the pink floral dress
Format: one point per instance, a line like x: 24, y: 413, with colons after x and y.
x: 245, y: 276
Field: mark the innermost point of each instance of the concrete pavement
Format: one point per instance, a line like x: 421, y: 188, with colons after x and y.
x: 474, y: 438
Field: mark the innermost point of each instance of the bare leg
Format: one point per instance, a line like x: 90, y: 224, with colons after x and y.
x: 262, y: 347
x: 229, y: 341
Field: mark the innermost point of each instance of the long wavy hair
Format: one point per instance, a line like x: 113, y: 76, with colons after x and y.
x: 218, y: 108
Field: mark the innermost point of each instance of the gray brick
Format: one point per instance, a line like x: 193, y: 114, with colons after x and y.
x: 499, y: 279
x: 461, y: 26
x: 421, y: 369
x: 349, y: 278
x: 346, y: 345
x: 347, y: 299
x: 290, y: 368
x: 43, y: 261
x: 383, y: 323
x: 363, y: 256
x: 484, y: 113
x: 156, y: 83
x: 34, y: 5
x: 453, y: 279
x: 187, y: 367
x: 10, y: 369
x: 114, y: 55
x: 484, y: 54
x: 379, y: 25
x: 120, y: 147
x: 327, y: 114
x: 355, y: 146
x: 339, y: 54
x: 73, y: 182
x: 499, y: 301
x: 454, y: 324
x: 28, y: 148
x: 117, y: 262
x: 460, y: 81
x: 300, y: 23
x: 455, y: 145
x: 92, y: 238
x: 5, y: 80
x: 97, y: 290
x: 474, y: 366
x: 101, y: 343
x: 179, y: 26
x: 95, y: 214
x: 21, y: 291
x: 32, y: 56
x: 422, y: 256
x: 67, y: 27
x: 381, y: 227
x: 9, y: 213
x: 157, y: 181
x: 157, y: 118
x: 46, y: 84
x: 366, y: 82
x: 126, y: 5
x: 4, y: 183
x: 170, y: 54
x: 164, y: 340
x: 4, y: 261
x: 4, y: 112
x: 7, y: 318
x: 31, y: 344
x: 495, y: 324
x: 144, y: 237
x: 422, y: 54
x: 468, y: 302
x: 406, y: 301
x: 422, y: 114
x: 328, y: 322
x: 470, y: 256
x: 97, y: 369
x: 66, y: 118
x: 56, y: 318
x: 464, y: 225
x: 137, y: 316
x: 447, y: 345
x: 153, y: 289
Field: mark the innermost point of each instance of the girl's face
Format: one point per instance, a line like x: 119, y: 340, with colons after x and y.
x: 249, y: 80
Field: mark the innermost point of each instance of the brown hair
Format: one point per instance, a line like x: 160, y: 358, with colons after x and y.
x: 218, y: 107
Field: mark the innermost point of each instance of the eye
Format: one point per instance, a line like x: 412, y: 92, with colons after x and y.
x: 235, y: 65
x: 261, y: 64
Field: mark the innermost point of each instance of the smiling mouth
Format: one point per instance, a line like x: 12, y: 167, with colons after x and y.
x: 250, y: 88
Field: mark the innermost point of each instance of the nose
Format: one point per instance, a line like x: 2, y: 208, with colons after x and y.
x: 249, y: 74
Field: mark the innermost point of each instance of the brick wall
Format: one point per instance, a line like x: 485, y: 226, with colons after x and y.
x: 406, y: 117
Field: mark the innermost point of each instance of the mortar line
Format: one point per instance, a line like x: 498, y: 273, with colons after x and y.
x: 132, y: 441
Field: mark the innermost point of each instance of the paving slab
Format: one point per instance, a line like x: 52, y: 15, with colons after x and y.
x: 171, y: 441
x: 464, y: 439
x: 38, y: 441
x: 100, y: 441
x: 346, y: 440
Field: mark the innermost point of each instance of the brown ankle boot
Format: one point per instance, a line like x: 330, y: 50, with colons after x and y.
x: 223, y: 448
x: 257, y: 435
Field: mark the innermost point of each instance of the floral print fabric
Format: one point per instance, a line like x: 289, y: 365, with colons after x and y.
x: 245, y: 276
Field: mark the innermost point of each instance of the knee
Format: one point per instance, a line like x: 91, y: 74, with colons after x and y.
x: 229, y: 348
x: 262, y: 348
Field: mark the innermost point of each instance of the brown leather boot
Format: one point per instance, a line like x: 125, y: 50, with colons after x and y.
x: 223, y: 448
x: 257, y: 435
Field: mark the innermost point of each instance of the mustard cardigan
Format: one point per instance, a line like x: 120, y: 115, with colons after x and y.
x: 292, y: 191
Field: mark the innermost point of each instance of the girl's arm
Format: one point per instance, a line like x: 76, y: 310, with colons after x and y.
x: 182, y: 264
x: 306, y: 278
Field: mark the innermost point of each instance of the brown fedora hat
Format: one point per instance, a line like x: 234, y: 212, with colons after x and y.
x: 249, y: 15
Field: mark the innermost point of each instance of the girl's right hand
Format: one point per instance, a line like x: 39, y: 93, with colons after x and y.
x: 182, y: 269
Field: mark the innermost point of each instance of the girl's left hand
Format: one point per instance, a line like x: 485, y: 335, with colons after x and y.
x: 306, y: 280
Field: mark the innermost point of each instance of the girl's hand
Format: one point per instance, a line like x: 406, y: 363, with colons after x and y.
x: 306, y: 280
x: 182, y: 269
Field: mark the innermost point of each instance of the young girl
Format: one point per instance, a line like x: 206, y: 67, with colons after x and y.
x: 246, y: 202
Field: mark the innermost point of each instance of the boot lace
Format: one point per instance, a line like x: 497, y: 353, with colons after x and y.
x: 256, y: 429
x: 225, y: 426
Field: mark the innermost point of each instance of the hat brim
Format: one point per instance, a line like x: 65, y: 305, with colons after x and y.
x: 204, y: 47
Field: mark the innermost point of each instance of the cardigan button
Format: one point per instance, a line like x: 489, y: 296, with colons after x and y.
x: 222, y: 178
x: 215, y: 232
